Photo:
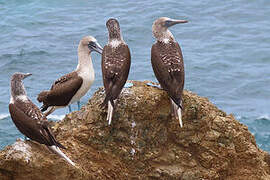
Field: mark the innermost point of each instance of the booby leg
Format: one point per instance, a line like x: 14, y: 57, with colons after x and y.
x: 79, y: 105
x: 69, y: 108
x: 52, y: 108
x: 57, y: 151
x: 110, y: 112
x: 177, y: 112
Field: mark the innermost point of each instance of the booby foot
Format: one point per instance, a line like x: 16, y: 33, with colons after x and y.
x: 69, y: 108
x: 26, y: 138
x: 154, y: 85
x: 128, y: 85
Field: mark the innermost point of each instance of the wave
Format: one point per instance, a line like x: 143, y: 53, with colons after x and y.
x: 3, y: 116
x: 259, y: 117
x: 263, y: 117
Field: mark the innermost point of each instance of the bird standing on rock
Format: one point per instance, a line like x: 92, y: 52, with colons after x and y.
x: 167, y: 63
x: 72, y: 87
x: 115, y: 66
x: 29, y: 119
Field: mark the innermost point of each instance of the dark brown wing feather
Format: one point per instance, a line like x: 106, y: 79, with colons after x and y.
x: 30, y: 121
x: 115, y: 69
x: 168, y: 66
x: 62, y: 90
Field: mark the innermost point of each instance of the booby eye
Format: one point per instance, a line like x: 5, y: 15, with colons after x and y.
x: 167, y: 23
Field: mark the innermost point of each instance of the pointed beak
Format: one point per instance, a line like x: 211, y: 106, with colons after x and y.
x: 172, y: 22
x: 98, y: 48
x: 26, y: 75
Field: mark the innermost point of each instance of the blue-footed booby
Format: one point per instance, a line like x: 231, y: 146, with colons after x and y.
x: 71, y: 87
x: 115, y: 66
x: 29, y: 119
x: 167, y: 63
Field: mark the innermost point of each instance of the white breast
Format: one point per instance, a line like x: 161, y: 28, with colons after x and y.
x: 114, y: 43
x: 23, y: 98
x: 165, y: 40
x: 88, y: 79
x: 11, y: 100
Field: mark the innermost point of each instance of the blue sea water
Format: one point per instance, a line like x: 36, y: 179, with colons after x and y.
x: 226, y: 48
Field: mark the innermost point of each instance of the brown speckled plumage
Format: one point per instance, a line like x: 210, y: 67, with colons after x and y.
x: 168, y: 66
x: 167, y: 63
x: 115, y: 70
x: 27, y: 117
x: 62, y: 91
x: 115, y: 65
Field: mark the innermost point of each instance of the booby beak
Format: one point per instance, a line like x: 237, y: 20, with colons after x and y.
x: 26, y: 75
x: 98, y: 49
x: 171, y: 22
x: 95, y: 47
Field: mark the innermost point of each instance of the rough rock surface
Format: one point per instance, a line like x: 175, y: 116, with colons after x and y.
x: 143, y: 142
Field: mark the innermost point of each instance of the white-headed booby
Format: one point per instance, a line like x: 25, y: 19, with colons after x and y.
x: 29, y: 119
x: 115, y: 65
x: 167, y: 63
x: 71, y: 87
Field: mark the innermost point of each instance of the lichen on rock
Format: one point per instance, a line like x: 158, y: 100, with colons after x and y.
x: 20, y: 151
x: 144, y: 142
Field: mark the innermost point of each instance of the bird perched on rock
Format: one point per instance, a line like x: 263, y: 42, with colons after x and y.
x: 167, y: 63
x: 115, y: 66
x: 29, y: 119
x: 71, y: 87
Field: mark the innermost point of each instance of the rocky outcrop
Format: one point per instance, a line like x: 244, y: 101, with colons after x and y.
x: 143, y: 142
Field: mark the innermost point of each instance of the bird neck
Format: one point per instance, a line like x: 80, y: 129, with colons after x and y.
x: 17, y: 89
x: 164, y: 36
x: 84, y: 59
x: 115, y: 38
x: 115, y: 42
x: 115, y: 34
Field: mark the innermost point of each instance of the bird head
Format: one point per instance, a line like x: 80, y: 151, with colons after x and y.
x: 161, y: 25
x: 90, y: 43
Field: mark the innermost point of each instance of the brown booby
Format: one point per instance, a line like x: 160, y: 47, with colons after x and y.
x: 167, y: 63
x: 71, y: 87
x: 115, y: 66
x: 29, y: 119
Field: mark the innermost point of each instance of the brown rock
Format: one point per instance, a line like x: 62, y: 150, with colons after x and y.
x: 143, y: 142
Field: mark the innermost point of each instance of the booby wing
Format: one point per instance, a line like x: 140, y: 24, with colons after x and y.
x: 31, y: 122
x: 115, y: 70
x: 62, y: 90
x: 167, y: 63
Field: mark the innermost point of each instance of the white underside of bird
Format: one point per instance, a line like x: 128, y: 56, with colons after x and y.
x: 88, y: 79
x: 88, y: 76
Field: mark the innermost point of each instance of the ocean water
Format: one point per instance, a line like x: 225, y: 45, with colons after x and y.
x: 226, y: 48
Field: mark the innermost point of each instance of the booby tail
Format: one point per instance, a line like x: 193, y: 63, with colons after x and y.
x: 52, y: 139
x: 43, y: 108
x: 110, y: 109
x: 57, y: 151
x: 177, y: 112
x: 108, y: 100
